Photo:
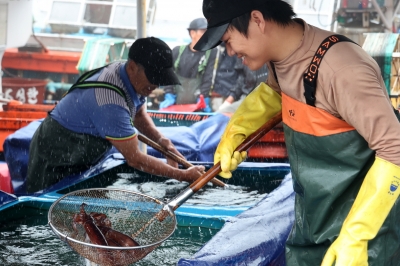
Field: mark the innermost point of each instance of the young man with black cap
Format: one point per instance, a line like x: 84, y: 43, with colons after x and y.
x: 103, y: 109
x: 194, y: 69
x: 341, y: 131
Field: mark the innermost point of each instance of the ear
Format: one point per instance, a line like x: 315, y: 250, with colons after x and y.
x: 132, y: 70
x: 258, y: 18
x: 130, y: 66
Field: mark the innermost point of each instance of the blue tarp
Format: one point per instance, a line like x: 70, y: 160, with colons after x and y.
x: 7, y: 198
x: 16, y: 154
x: 197, y: 143
x: 255, y: 237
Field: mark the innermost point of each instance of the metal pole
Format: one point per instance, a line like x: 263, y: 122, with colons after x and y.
x: 385, y: 21
x: 141, y: 33
x: 336, y: 7
x: 390, y: 12
x: 141, y: 19
x: 396, y: 10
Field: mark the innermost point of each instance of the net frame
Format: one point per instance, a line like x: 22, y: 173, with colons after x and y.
x: 130, y: 213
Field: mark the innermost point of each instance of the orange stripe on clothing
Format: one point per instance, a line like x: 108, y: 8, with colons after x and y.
x: 122, y: 139
x: 307, y: 119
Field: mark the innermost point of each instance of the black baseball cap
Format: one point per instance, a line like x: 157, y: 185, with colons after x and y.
x: 198, y: 24
x: 219, y: 14
x: 156, y: 58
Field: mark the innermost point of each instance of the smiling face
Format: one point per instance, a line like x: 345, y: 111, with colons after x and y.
x: 253, y: 48
x: 265, y: 40
x: 138, y: 79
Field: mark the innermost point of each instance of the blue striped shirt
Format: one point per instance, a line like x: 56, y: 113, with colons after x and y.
x: 101, y: 112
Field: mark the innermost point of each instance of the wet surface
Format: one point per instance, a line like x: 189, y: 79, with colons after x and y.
x: 31, y: 241
x: 209, y: 195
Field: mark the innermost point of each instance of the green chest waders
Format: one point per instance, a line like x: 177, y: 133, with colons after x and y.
x: 56, y: 152
x: 189, y: 90
x: 329, y: 161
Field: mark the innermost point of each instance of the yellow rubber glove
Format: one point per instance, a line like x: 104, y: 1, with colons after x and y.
x: 256, y: 109
x: 372, y: 205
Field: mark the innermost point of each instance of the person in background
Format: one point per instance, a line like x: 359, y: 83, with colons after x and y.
x: 341, y: 130
x: 224, y: 77
x: 246, y: 82
x: 194, y: 69
x: 104, y: 108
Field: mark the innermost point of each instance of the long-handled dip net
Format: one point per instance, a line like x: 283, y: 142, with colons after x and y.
x: 115, y: 227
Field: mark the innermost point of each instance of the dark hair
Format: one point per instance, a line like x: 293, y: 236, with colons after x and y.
x: 273, y: 10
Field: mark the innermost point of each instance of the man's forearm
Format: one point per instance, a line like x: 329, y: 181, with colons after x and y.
x: 144, y: 123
